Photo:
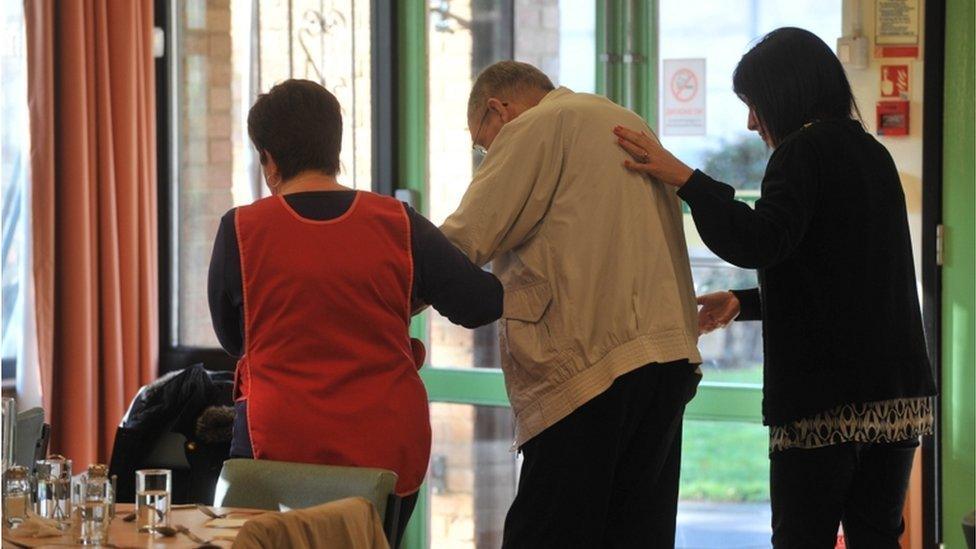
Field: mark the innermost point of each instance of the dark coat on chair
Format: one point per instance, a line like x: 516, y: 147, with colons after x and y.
x: 182, y: 422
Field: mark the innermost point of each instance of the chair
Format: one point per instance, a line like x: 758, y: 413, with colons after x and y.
x: 31, y: 436
x: 277, y: 485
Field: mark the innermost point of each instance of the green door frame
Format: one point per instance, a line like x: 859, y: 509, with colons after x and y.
x: 627, y: 73
x: 958, y: 390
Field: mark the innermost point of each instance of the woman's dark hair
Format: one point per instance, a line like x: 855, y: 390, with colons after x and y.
x: 299, y: 124
x: 791, y: 77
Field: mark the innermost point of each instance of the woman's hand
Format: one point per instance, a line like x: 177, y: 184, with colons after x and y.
x: 717, y: 310
x: 651, y: 158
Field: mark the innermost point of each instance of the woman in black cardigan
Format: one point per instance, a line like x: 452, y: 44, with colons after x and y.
x: 847, y: 384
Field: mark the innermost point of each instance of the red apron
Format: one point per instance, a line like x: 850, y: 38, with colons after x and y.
x: 329, y: 371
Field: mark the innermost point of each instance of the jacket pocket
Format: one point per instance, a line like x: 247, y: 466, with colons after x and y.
x: 528, y: 341
x: 527, y: 303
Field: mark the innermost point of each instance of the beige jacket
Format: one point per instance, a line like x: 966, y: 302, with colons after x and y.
x: 592, y: 257
x: 350, y: 523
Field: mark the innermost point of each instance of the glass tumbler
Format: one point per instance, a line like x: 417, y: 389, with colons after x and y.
x: 153, y: 491
x: 54, y: 489
x: 93, y: 499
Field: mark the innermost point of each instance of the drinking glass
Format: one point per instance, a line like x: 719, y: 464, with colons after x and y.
x: 9, y: 420
x: 54, y: 489
x: 153, y: 491
x: 16, y: 494
x: 93, y: 498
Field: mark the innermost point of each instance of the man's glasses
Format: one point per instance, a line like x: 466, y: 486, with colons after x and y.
x: 481, y: 149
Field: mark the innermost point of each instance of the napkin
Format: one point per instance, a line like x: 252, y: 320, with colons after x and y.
x: 226, y: 523
x: 36, y: 527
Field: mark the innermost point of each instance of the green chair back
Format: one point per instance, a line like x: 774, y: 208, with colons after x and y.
x: 30, y: 438
x: 278, y: 485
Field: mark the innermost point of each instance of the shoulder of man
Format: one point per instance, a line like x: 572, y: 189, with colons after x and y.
x: 569, y: 109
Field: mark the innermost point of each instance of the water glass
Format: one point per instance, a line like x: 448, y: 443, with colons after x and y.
x: 93, y: 499
x: 54, y: 489
x: 16, y: 495
x: 153, y: 493
x: 9, y: 420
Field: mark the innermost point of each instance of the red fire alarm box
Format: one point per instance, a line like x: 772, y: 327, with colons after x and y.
x: 892, y: 117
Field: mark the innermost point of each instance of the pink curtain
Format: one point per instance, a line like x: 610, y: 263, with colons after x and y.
x: 93, y: 177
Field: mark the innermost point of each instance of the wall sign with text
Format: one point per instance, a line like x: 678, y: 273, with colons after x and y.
x: 896, y: 28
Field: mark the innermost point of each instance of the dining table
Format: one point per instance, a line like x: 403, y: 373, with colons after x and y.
x: 191, y: 526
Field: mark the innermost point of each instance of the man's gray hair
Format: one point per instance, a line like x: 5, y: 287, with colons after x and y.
x: 505, y: 78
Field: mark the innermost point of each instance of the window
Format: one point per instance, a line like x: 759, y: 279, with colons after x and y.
x: 724, y: 492
x: 227, y: 52
x: 472, y: 475
x: 14, y: 183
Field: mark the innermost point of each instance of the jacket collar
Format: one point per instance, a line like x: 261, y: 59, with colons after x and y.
x: 561, y: 91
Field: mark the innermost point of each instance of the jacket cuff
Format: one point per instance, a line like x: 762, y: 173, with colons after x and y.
x: 750, y: 304
x: 696, y: 187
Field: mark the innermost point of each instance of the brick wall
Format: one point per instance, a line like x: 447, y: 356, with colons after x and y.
x: 537, y: 35
x: 206, y: 155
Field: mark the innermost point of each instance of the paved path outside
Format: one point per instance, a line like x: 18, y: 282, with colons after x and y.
x: 706, y: 525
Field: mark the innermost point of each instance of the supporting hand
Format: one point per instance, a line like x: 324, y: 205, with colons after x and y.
x: 717, y: 310
x: 651, y: 158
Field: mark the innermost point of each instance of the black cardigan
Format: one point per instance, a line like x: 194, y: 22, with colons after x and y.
x: 838, y: 298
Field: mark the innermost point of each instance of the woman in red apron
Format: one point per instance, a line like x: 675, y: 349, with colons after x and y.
x: 312, y: 288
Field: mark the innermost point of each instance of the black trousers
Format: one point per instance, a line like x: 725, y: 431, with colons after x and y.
x: 607, y: 474
x: 407, y: 505
x: 861, y: 485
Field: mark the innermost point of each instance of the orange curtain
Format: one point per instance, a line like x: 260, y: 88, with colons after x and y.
x: 91, y: 94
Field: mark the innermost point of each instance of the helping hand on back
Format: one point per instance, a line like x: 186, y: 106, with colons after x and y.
x: 652, y: 158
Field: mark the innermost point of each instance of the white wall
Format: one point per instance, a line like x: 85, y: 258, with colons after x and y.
x: 906, y: 150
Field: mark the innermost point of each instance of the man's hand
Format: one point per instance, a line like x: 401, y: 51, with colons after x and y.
x: 717, y: 310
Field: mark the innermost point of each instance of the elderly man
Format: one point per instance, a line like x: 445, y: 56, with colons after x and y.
x: 599, y: 328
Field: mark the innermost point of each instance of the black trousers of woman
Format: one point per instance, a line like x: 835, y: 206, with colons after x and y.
x: 862, y: 485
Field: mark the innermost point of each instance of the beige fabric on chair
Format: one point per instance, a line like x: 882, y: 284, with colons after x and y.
x: 350, y: 523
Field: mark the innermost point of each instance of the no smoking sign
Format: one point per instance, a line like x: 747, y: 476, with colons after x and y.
x: 684, y: 85
x: 683, y: 108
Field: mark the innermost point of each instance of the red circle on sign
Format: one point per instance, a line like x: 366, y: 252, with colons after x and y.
x: 684, y: 85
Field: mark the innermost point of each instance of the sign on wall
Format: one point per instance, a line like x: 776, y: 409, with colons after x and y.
x: 895, y: 82
x: 896, y: 24
x: 683, y: 83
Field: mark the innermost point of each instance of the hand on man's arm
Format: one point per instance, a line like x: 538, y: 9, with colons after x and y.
x: 447, y: 280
